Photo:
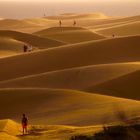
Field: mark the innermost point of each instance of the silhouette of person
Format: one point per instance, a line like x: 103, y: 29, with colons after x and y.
x: 60, y: 23
x: 113, y: 35
x: 25, y: 48
x: 74, y: 23
x: 30, y: 48
x: 24, y: 123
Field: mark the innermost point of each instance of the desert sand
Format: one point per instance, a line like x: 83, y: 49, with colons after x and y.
x: 75, y: 80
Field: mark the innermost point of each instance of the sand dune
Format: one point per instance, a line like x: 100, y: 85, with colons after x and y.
x: 11, y: 130
x: 72, y: 16
x: 75, y: 78
x: 106, y: 70
x: 120, y: 23
x: 26, y: 25
x: 125, y: 49
x: 31, y: 39
x: 126, y: 86
x: 10, y: 47
x: 46, y: 106
x: 122, y: 30
x: 89, y: 20
x: 69, y: 34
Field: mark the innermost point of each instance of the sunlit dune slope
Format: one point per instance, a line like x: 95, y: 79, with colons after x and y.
x: 125, y: 49
x: 69, y: 34
x: 126, y: 86
x: 31, y: 39
x: 26, y: 25
x: 9, y: 126
x: 114, y: 22
x: 122, y: 30
x: 10, y: 46
x: 11, y: 130
x: 90, y: 20
x: 75, y: 78
x: 46, y: 106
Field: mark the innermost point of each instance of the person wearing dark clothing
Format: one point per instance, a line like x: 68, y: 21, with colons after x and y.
x: 74, y: 23
x: 113, y: 35
x: 60, y: 23
x: 24, y: 123
x: 25, y: 48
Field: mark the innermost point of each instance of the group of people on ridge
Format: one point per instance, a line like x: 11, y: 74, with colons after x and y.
x: 60, y: 23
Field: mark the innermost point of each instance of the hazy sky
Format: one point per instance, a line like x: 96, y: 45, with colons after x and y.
x: 36, y: 8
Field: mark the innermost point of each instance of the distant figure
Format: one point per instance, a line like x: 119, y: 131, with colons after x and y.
x: 24, y: 123
x: 30, y: 48
x: 113, y: 35
x: 74, y: 23
x: 25, y: 48
x: 60, y: 23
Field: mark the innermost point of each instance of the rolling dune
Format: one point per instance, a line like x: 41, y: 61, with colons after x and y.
x: 75, y: 78
x: 126, y: 86
x: 125, y: 49
x: 67, y: 16
x: 10, y: 47
x: 36, y: 41
x: 11, y: 130
x: 122, y: 30
x: 47, y: 106
x: 69, y: 34
x: 89, y: 20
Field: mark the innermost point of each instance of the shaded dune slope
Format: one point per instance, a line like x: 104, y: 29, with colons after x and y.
x: 107, y: 51
x: 126, y: 86
x: 31, y: 39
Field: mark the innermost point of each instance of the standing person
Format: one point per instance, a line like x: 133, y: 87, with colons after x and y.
x: 25, y: 48
x: 74, y: 23
x: 113, y: 35
x: 30, y: 48
x: 60, y: 23
x: 24, y: 123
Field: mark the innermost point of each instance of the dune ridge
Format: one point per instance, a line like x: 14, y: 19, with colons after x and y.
x: 74, y: 78
x: 69, y: 34
x: 67, y: 16
x: 82, y: 54
x: 31, y: 39
x: 69, y: 107
x: 122, y: 29
x: 77, y: 80
x: 61, y: 132
x: 126, y: 86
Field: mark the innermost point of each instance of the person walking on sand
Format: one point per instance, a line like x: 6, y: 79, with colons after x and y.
x: 113, y: 35
x: 74, y: 23
x: 25, y: 48
x: 30, y: 48
x: 60, y: 23
x: 24, y: 123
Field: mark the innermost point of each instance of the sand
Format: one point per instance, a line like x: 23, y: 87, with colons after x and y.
x: 77, y: 78
x: 126, y: 86
x: 69, y: 34
x: 83, y: 54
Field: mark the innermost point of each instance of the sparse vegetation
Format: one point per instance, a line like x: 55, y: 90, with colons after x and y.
x: 114, y: 133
